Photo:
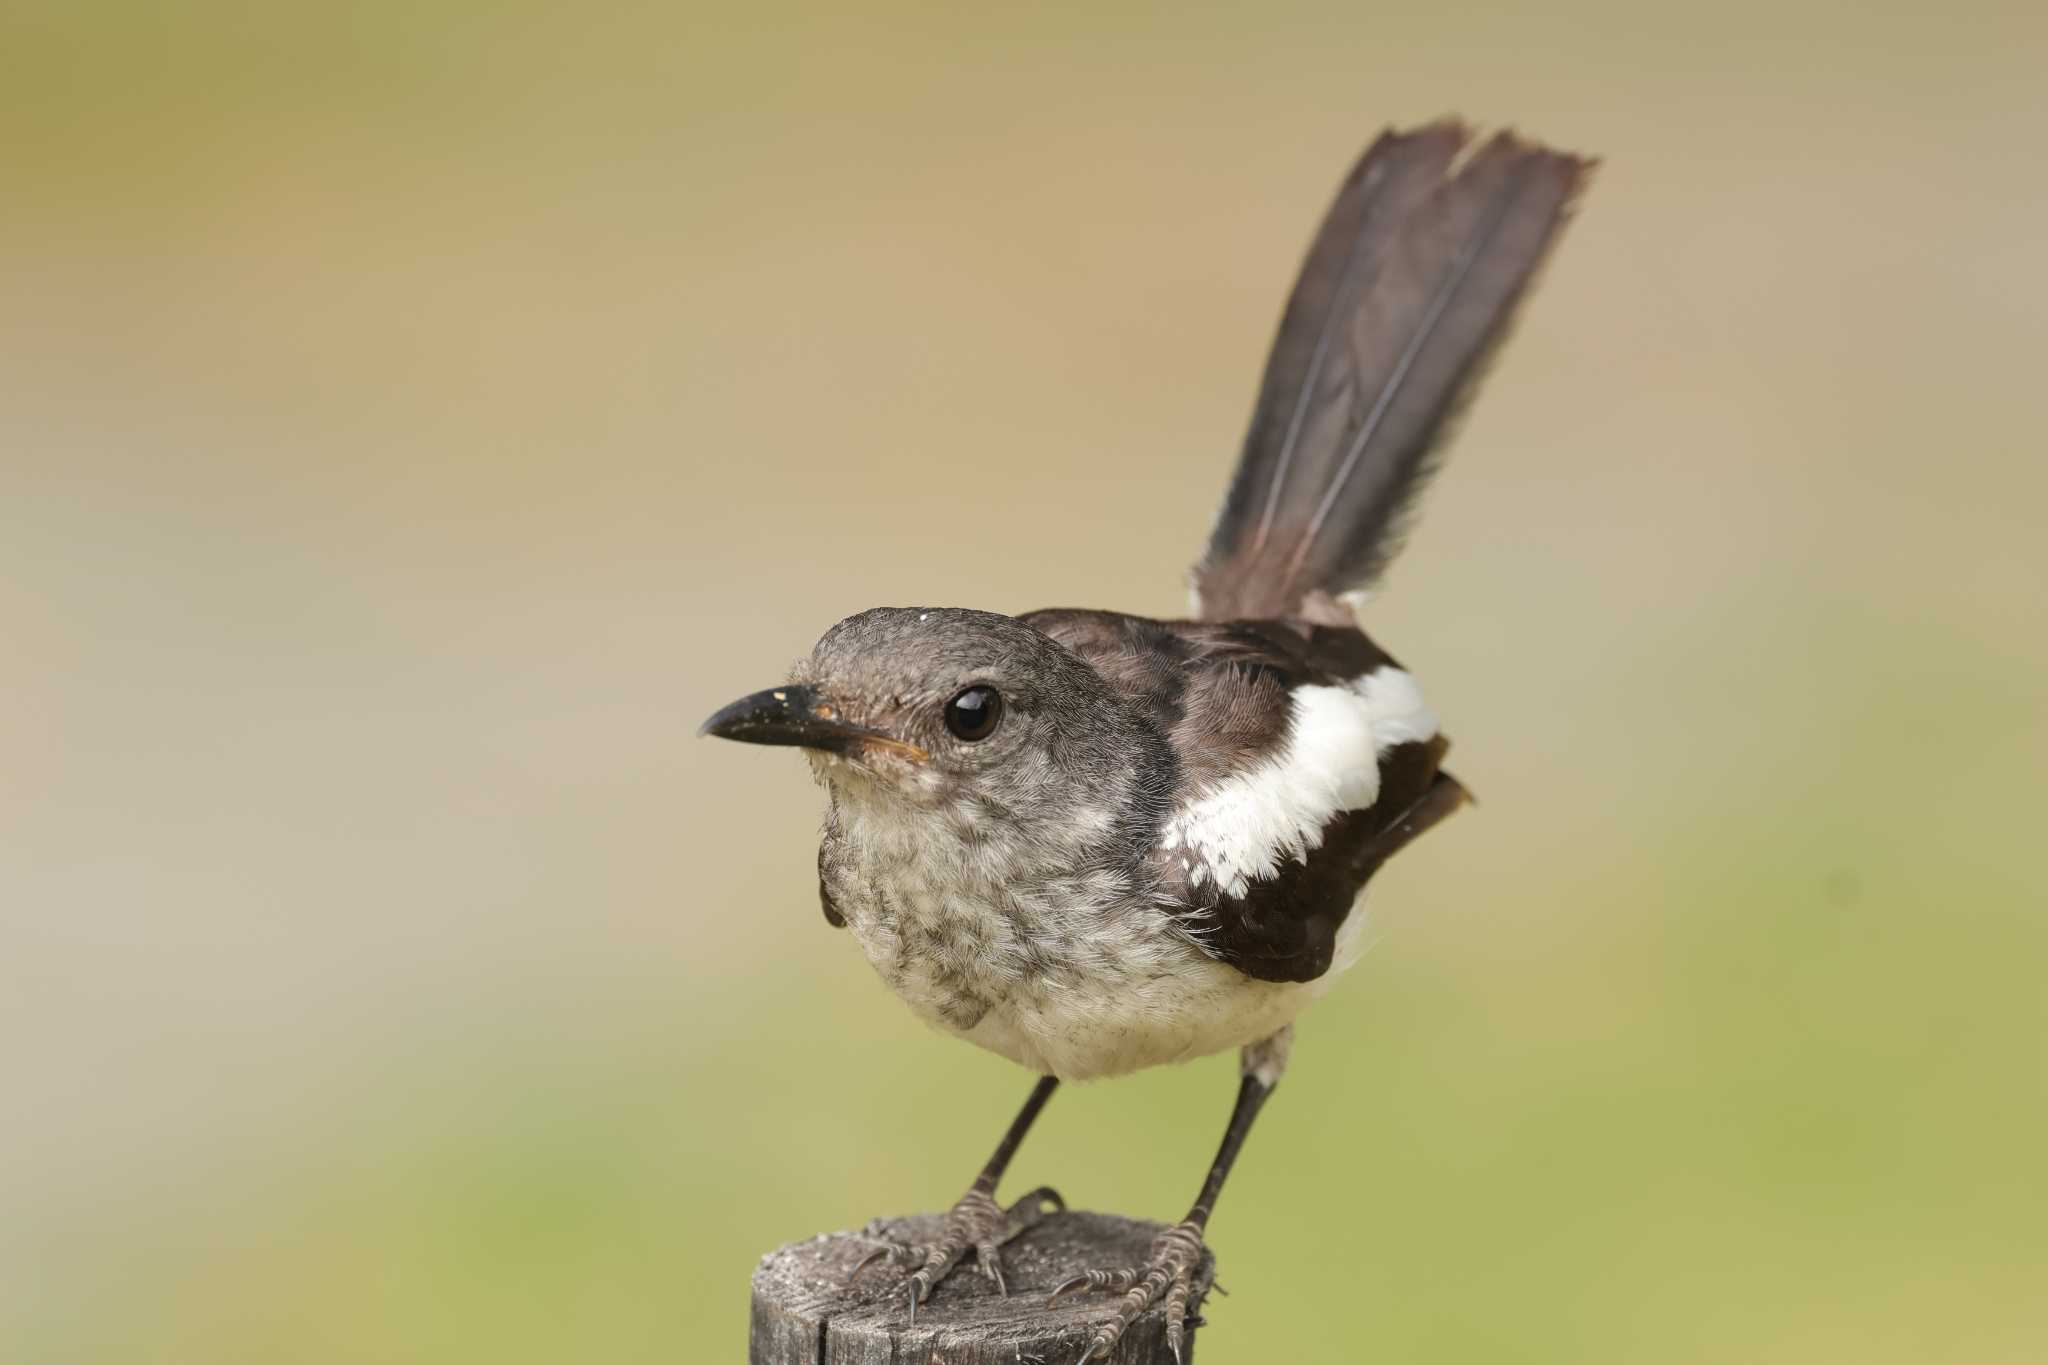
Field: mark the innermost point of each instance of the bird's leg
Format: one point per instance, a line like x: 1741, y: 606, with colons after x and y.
x: 977, y: 1223
x: 1169, y: 1272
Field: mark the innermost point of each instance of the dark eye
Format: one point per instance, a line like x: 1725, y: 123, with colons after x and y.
x: 974, y: 713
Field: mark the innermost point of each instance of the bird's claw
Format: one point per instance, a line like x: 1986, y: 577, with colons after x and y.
x: 990, y: 1262
x: 1168, y: 1275
x: 978, y: 1224
x: 1118, y: 1280
x: 890, y: 1250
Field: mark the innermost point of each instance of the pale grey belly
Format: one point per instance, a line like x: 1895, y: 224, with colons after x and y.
x: 1057, y: 980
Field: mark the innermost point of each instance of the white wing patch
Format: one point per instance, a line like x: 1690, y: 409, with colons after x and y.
x: 1399, y: 714
x: 1246, y: 829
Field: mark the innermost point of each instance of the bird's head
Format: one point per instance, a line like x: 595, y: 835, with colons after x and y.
x: 944, y: 708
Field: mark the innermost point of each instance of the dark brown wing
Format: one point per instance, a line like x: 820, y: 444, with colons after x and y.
x: 1286, y: 928
x: 1221, y: 691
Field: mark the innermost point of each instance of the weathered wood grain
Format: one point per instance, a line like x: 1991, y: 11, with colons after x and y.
x: 805, y: 1313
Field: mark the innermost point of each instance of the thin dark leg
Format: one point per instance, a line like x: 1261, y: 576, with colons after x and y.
x: 1014, y: 1138
x: 1169, y: 1275
x: 1251, y: 1095
x: 977, y: 1223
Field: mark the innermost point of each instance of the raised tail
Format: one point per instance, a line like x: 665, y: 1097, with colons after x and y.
x: 1411, y: 283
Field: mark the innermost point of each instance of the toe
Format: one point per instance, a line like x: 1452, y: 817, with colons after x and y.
x: 1177, y: 1311
x: 1114, y: 1280
x: 1037, y: 1204
x: 1167, y: 1279
x: 991, y: 1262
x: 897, y: 1253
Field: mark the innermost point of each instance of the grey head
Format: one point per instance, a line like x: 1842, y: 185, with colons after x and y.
x: 970, y: 722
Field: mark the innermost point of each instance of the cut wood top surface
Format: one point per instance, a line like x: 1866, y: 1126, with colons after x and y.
x: 806, y: 1313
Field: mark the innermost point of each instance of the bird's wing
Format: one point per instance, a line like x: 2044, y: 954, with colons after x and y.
x: 1306, y: 758
x: 1410, y: 285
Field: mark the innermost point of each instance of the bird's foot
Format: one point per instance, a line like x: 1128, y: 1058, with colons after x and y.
x: 1169, y: 1274
x: 978, y: 1224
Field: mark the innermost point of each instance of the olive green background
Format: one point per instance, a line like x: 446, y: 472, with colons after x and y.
x: 415, y: 417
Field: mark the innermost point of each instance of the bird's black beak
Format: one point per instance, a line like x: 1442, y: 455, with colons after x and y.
x: 797, y: 715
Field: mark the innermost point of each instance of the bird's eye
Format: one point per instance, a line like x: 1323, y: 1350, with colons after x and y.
x: 974, y: 713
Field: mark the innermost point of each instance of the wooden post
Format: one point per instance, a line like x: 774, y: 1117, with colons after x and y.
x: 805, y: 1312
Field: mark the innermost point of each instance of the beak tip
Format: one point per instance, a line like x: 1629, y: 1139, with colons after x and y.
x: 722, y: 724
x: 781, y: 715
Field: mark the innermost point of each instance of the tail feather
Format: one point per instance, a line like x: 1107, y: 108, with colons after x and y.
x: 1410, y: 285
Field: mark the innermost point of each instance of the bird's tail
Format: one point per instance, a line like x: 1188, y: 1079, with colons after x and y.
x: 1411, y: 283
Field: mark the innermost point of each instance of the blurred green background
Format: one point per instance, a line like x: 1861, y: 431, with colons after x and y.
x: 415, y: 417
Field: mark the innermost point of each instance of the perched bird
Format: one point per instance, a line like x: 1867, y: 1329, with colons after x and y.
x: 1094, y: 842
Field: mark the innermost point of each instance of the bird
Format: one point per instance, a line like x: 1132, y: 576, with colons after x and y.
x: 1093, y: 842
